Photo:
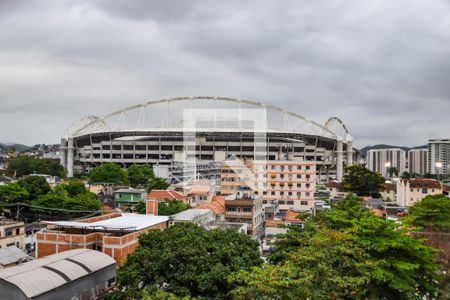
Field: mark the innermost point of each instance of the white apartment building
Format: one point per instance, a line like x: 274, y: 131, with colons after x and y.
x: 418, y: 161
x: 439, y: 152
x: 410, y: 191
x: 291, y: 184
x: 379, y: 160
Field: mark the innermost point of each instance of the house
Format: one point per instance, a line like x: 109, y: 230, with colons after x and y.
x: 336, y: 190
x: 12, y: 233
x: 224, y: 225
x: 292, y: 218
x: 410, y: 191
x: 243, y: 208
x: 73, y: 274
x: 217, y: 205
x: 128, y: 197
x: 114, y: 234
x: 162, y: 195
x: 11, y: 256
x: 194, y: 215
x: 389, y: 194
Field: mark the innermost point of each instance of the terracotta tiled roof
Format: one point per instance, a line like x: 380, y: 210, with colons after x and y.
x: 334, y: 184
x: 423, y: 183
x: 291, y: 216
x: 161, y: 195
x: 378, y: 212
x: 390, y: 186
x: 273, y: 223
x: 217, y: 205
x: 446, y: 188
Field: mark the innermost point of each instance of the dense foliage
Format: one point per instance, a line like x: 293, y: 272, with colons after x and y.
x: 156, y: 183
x: 362, y: 181
x: 345, y: 253
x: 35, y: 186
x: 186, y: 261
x: 24, y: 165
x: 13, y: 193
x: 109, y: 173
x: 68, y: 196
x: 432, y: 212
x: 139, y: 175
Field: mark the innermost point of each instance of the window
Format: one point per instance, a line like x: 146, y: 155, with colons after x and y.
x: 247, y: 209
x: 424, y: 191
x: 303, y: 202
x: 308, y: 167
x: 281, y: 202
x: 290, y: 202
x: 17, y: 231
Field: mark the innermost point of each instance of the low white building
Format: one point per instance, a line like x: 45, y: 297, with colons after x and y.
x: 197, y: 216
x: 410, y: 191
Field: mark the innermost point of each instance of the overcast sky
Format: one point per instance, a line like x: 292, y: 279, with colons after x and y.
x: 383, y: 67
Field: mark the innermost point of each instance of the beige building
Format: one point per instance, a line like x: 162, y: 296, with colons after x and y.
x: 418, y: 161
x: 12, y: 233
x: 245, y: 209
x: 410, y: 191
x: 290, y: 183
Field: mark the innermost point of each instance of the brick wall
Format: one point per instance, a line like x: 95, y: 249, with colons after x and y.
x: 118, y: 247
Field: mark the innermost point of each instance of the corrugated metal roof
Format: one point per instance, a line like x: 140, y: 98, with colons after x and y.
x: 125, y: 221
x: 11, y: 255
x: 34, y: 279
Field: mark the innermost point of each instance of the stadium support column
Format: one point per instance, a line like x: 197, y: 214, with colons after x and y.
x: 339, y: 161
x: 70, y: 157
x: 349, y: 153
x: 63, y: 153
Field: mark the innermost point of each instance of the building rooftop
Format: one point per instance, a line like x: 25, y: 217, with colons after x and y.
x: 422, y: 183
x: 11, y: 255
x: 130, y: 191
x: 165, y: 194
x: 5, y: 221
x: 5, y: 178
x: 217, y: 205
x: 189, y: 214
x: 42, y: 275
x: 131, y: 222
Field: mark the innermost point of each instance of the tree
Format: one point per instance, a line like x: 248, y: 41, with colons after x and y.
x: 328, y: 265
x: 380, y: 260
x: 13, y: 193
x: 35, y: 186
x: 139, y: 175
x: 74, y: 188
x: 406, y: 175
x: 108, y: 173
x: 187, y: 261
x: 157, y: 183
x: 392, y: 171
x: 23, y: 165
x: 432, y: 212
x: 362, y: 182
x: 171, y: 207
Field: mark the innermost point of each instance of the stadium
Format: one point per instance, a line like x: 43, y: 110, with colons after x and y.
x: 203, y: 131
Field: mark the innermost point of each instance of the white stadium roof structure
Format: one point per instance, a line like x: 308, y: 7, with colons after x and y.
x: 220, y: 121
x: 169, y: 115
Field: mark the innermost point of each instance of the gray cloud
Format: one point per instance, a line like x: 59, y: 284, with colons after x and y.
x: 381, y: 66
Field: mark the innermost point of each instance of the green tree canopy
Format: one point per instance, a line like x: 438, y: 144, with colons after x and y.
x: 187, y: 261
x: 432, y: 212
x: 392, y: 171
x: 24, y: 165
x: 35, y: 186
x: 108, y: 173
x: 13, y: 193
x: 139, y: 175
x: 74, y: 188
x: 362, y: 181
x: 380, y: 260
x: 156, y: 183
x: 171, y: 207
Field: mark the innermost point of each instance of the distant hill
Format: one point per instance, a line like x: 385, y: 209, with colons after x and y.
x: 363, y: 151
x: 5, y: 147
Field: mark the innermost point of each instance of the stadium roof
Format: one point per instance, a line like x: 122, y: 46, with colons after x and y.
x: 208, y: 114
x: 42, y: 275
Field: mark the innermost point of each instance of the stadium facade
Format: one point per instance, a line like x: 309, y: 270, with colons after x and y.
x: 205, y: 130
